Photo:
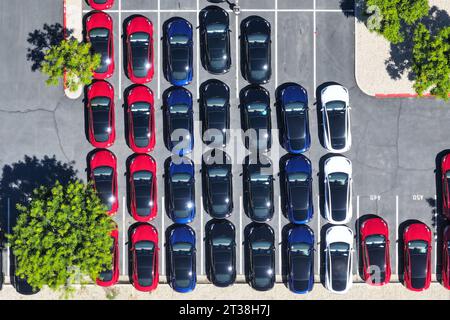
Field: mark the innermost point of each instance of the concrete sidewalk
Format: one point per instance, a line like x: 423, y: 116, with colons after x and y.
x: 372, y: 52
x: 239, y: 291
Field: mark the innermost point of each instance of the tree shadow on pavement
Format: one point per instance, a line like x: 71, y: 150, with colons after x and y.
x: 400, y: 60
x: 41, y: 40
x: 16, y: 186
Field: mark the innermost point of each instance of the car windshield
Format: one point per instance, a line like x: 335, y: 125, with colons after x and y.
x: 294, y: 106
x: 301, y: 248
x: 143, y: 181
x: 215, y: 102
x: 179, y: 39
x: 447, y: 177
x: 140, y: 53
x: 99, y: 38
x: 259, y: 107
x: 216, y: 28
x: 257, y: 38
x: 262, y: 268
x: 298, y: 177
x: 340, y: 248
x: 335, y: 106
x: 261, y: 245
x: 181, y: 177
x: 179, y: 108
x: 301, y: 268
x: 418, y: 247
x: 100, y: 118
x: 217, y: 172
x: 140, y: 112
x: 183, y: 263
x: 144, y: 262
x: 299, y: 192
x: 103, y: 179
x: 222, y: 241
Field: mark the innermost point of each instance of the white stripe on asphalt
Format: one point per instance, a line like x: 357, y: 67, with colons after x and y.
x: 163, y: 248
x: 201, y: 235
x: 240, y: 235
x: 279, y: 235
x: 396, y: 234
x: 124, y: 228
x: 227, y: 10
x: 198, y: 54
x: 159, y: 48
x: 276, y: 43
x: 120, y: 49
x: 314, y: 49
x: 237, y: 49
x: 318, y: 234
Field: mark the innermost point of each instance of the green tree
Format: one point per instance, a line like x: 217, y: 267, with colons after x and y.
x: 73, y: 57
x: 431, y: 61
x: 392, y: 13
x: 62, y: 236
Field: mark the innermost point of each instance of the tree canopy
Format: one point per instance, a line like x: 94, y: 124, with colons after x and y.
x: 392, y: 13
x: 431, y: 61
x: 62, y: 236
x: 73, y: 57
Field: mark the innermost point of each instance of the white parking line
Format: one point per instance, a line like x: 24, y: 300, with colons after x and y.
x: 8, y: 226
x: 197, y: 45
x: 124, y: 228
x: 279, y: 234
x: 159, y: 48
x: 227, y: 10
x: 318, y: 234
x: 314, y: 49
x: 201, y: 235
x: 435, y: 231
x: 396, y: 234
x: 163, y: 248
x: 120, y: 49
x: 237, y: 54
x: 276, y: 43
x: 240, y: 235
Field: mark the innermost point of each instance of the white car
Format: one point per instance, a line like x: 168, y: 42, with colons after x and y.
x: 339, y: 259
x: 338, y: 189
x: 337, y: 136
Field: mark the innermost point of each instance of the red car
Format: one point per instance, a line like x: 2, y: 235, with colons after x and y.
x: 144, y: 249
x: 374, y: 241
x: 111, y: 276
x: 103, y: 172
x: 141, y: 119
x: 143, y: 188
x: 101, y: 119
x: 417, y: 257
x: 445, y: 169
x: 101, y: 4
x: 99, y: 32
x: 446, y: 258
x: 139, y: 40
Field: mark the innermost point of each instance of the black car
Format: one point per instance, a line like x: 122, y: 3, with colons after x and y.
x: 255, y: 50
x: 215, y: 112
x: 258, y: 188
x: 179, y: 120
x: 256, y: 117
x: 221, y: 252
x: 217, y: 184
x: 20, y: 284
x: 260, y: 251
x: 215, y: 39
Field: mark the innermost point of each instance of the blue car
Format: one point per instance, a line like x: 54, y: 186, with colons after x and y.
x: 181, y: 259
x: 181, y: 186
x: 179, y: 120
x: 300, y: 256
x: 298, y: 187
x: 292, y: 100
x: 178, y: 51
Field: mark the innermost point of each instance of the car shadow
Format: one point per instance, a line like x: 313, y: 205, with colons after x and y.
x: 284, y: 255
x: 282, y: 179
x: 41, y: 40
x: 277, y: 106
x: 322, y: 247
x: 438, y: 218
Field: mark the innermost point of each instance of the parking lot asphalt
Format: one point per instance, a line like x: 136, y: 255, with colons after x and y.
x: 395, y: 141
